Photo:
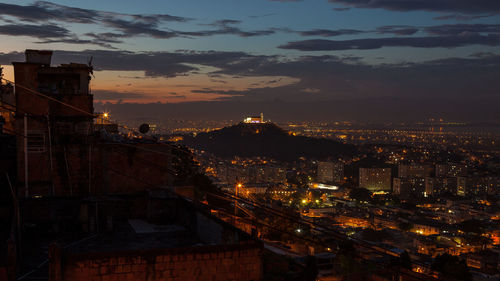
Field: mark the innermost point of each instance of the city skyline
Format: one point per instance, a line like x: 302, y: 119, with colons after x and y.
x: 361, y: 60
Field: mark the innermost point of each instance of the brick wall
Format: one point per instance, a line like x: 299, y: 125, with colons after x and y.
x: 215, y: 263
x: 114, y: 168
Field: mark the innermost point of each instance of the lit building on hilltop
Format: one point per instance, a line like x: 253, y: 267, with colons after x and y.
x: 255, y: 119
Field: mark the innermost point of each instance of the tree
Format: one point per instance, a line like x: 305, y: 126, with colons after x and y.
x: 404, y: 260
x: 311, y: 270
x: 471, y: 226
x: 374, y: 235
x: 405, y: 226
x: 360, y: 194
x: 452, y: 267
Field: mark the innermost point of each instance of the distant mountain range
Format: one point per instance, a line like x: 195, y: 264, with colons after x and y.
x: 268, y: 140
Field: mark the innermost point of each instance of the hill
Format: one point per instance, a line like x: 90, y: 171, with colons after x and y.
x: 266, y: 139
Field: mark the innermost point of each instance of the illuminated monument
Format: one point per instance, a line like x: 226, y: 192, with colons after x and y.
x: 255, y: 119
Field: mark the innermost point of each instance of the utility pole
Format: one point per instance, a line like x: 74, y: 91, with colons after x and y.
x: 26, y: 191
x: 52, y: 192
x: 236, y: 200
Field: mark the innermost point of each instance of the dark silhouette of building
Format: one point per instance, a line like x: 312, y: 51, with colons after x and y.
x: 61, y: 154
x: 106, y: 199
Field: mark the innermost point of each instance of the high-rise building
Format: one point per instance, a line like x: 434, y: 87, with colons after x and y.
x: 375, y: 179
x: 409, y: 187
x: 330, y: 172
x: 429, y: 186
x: 462, y: 184
x: 414, y: 171
x: 451, y: 170
x: 437, y: 186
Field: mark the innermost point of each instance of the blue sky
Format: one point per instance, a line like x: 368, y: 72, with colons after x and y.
x: 265, y: 14
x: 263, y: 50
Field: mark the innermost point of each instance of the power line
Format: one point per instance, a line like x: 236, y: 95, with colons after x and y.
x: 37, y: 93
x: 274, y: 211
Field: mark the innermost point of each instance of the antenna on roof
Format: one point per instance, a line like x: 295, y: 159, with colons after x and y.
x: 89, y: 63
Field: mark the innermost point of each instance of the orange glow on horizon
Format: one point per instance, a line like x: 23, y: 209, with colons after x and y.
x: 136, y: 87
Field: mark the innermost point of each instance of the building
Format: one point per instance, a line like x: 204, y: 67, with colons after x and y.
x: 254, y: 174
x: 409, y: 187
x: 375, y: 179
x: 7, y: 106
x: 255, y: 119
x: 152, y: 236
x: 451, y: 170
x: 414, y: 171
x: 330, y: 172
x: 426, y: 227
x: 462, y: 186
x: 103, y: 122
x: 447, y: 185
x: 62, y: 155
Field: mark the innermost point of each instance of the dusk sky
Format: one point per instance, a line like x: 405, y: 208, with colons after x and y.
x: 340, y: 59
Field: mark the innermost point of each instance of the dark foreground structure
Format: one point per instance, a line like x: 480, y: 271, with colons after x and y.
x: 82, y: 203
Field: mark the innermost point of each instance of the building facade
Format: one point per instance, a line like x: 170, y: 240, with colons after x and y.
x: 375, y: 179
x: 330, y: 172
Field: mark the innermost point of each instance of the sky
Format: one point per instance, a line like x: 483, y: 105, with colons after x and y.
x: 298, y: 59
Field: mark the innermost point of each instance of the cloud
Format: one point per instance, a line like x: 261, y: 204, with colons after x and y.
x: 42, y: 11
x: 461, y: 6
x: 461, y: 17
x: 326, y: 76
x: 128, y: 24
x: 261, y: 16
x: 154, y: 64
x: 341, y: 9
x: 214, y: 91
x: 224, y: 29
x: 311, y: 90
x: 462, y: 29
x: 329, y: 32
x: 106, y: 37
x: 325, y: 83
x: 225, y: 22
x: 37, y: 31
x: 334, y: 77
x: 123, y: 25
x: 483, y: 55
x: 403, y: 30
x: 397, y: 30
x: 75, y: 40
x: 48, y: 33
x: 377, y: 43
x: 106, y: 95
